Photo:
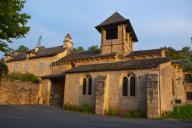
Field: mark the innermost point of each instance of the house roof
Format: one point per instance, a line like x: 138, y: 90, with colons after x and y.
x: 122, y: 65
x: 145, y: 52
x: 83, y: 55
x: 53, y: 76
x: 114, y: 19
x: 44, y: 52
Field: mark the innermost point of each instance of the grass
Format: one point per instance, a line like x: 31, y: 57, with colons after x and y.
x: 185, y: 113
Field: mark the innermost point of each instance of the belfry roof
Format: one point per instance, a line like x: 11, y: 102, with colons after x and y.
x: 116, y: 19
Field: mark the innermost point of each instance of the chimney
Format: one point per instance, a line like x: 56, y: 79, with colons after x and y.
x: 68, y: 42
x: 36, y: 49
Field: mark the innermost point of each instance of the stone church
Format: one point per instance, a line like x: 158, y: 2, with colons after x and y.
x: 115, y: 78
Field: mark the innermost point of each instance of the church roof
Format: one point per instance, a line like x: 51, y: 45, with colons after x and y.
x: 43, y: 52
x: 145, y: 52
x: 117, y: 18
x: 83, y: 55
x: 122, y: 65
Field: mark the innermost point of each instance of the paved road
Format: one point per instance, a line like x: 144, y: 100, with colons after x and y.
x: 34, y: 116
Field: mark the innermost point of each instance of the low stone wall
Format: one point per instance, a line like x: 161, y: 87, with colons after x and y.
x: 18, y: 92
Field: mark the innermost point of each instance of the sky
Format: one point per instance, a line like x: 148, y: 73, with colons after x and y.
x: 157, y: 23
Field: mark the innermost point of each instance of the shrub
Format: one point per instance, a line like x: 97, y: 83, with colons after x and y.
x: 24, y: 77
x: 185, y: 112
x: 71, y: 107
x: 3, y: 69
x: 134, y: 114
x: 86, y: 108
x: 111, y: 112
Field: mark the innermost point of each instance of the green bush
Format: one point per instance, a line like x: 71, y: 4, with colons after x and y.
x: 71, y: 107
x: 3, y: 69
x: 24, y: 77
x: 111, y: 112
x: 185, y: 112
x: 134, y: 114
x: 86, y: 108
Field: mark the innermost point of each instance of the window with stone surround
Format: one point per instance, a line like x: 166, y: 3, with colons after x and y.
x: 132, y: 86
x: 188, y: 78
x: 84, y: 86
x: 189, y: 95
x: 87, y: 85
x: 129, y: 85
x: 26, y: 68
x: 42, y: 66
x: 125, y: 86
x: 15, y: 67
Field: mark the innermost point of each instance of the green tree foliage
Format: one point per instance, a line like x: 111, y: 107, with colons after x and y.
x: 172, y: 53
x: 22, y: 48
x: 12, y: 22
x: 3, y: 69
x: 79, y: 49
x: 185, y: 49
x: 94, y: 48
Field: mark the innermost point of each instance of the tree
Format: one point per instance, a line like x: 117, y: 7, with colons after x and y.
x: 12, y: 22
x: 94, y: 48
x: 172, y: 53
x: 22, y: 48
x: 79, y: 49
x: 3, y: 69
x: 185, y: 49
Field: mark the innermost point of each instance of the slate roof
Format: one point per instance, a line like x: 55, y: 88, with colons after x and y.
x: 145, y: 52
x: 44, y: 52
x: 58, y: 75
x: 122, y: 65
x: 116, y: 18
x: 83, y: 55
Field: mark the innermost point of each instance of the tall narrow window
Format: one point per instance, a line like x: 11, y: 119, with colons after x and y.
x: 89, y: 86
x: 84, y: 86
x: 26, y: 68
x: 125, y: 86
x: 132, y: 86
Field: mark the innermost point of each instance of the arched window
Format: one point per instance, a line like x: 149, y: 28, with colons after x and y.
x: 132, y: 86
x: 125, y: 86
x: 89, y: 85
x: 84, y: 86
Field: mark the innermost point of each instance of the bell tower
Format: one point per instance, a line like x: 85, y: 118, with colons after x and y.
x: 117, y: 35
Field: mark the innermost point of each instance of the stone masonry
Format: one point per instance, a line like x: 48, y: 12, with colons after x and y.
x: 100, y: 89
x: 153, y: 106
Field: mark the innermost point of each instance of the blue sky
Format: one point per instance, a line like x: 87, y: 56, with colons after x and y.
x: 157, y: 23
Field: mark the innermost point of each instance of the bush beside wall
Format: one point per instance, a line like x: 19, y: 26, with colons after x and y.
x: 23, y: 77
x: 185, y: 113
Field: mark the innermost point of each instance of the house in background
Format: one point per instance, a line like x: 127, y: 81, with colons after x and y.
x: 115, y: 78
x: 38, y: 61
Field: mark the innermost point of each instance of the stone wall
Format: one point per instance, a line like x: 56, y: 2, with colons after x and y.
x: 116, y: 102
x: 18, y: 92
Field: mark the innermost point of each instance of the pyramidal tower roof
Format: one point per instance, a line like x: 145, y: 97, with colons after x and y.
x: 116, y: 19
x: 113, y: 19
